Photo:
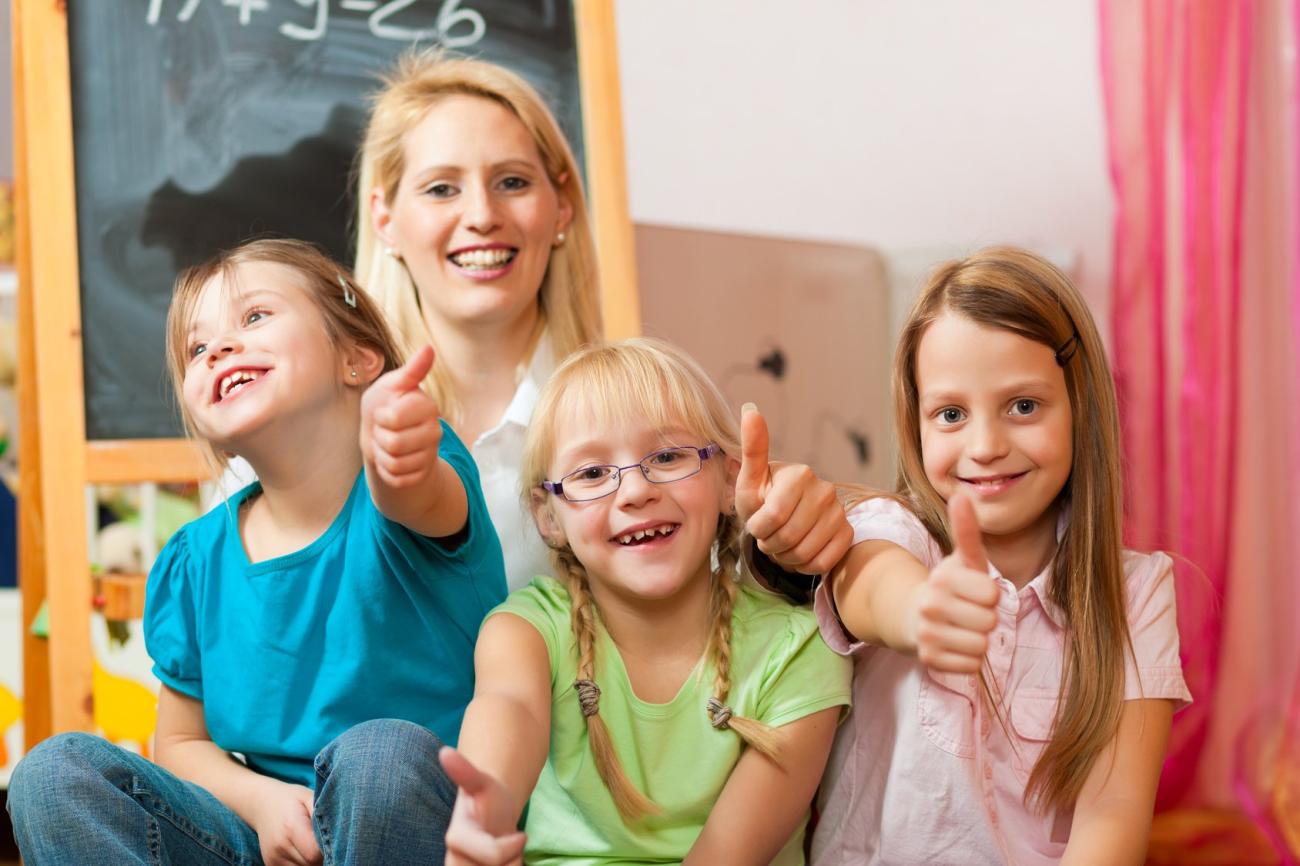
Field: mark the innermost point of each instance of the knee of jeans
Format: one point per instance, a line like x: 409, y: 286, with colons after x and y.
x: 381, y: 746
x: 50, y: 775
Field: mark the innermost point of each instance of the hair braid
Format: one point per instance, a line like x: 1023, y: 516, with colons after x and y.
x: 631, y: 803
x: 723, y: 602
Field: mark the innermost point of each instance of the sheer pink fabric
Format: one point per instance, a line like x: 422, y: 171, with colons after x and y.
x: 1201, y: 110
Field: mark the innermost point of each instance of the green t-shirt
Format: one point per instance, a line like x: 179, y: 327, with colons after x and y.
x: 781, y: 671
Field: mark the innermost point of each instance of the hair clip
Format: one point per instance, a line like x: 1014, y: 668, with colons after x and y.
x: 1067, y: 350
x: 349, y: 296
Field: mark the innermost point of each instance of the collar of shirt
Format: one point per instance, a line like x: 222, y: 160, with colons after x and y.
x: 520, y: 410
x: 1040, y: 586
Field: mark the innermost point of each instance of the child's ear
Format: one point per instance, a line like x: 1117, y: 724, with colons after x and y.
x: 729, y: 488
x: 544, y: 517
x: 361, y: 366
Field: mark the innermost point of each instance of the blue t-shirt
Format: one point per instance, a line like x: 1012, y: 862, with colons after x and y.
x: 368, y: 621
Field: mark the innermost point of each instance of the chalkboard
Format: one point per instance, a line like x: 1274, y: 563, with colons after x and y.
x: 201, y: 123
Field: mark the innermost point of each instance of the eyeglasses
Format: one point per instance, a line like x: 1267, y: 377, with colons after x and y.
x: 658, y: 467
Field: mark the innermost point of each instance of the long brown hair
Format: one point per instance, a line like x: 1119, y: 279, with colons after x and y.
x: 654, y: 383
x: 1014, y: 290
x: 569, y: 297
x: 318, y: 275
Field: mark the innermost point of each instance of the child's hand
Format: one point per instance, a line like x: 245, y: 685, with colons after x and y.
x: 283, y: 825
x: 956, y: 607
x: 482, y: 829
x: 400, y: 432
x: 793, y: 515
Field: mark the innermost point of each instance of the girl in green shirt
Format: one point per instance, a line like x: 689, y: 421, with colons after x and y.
x: 654, y: 707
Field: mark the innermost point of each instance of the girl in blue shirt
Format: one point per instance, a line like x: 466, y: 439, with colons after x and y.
x: 320, y: 624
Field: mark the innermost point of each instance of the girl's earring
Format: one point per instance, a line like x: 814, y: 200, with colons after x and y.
x: 354, y: 373
x: 559, y: 239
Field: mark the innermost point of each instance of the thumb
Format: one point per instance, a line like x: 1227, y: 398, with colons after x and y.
x: 409, y: 376
x: 753, y: 454
x: 462, y: 773
x: 967, y: 542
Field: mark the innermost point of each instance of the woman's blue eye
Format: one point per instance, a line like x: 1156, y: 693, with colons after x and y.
x: 515, y: 183
x: 1025, y: 407
x: 951, y: 415
x: 441, y: 190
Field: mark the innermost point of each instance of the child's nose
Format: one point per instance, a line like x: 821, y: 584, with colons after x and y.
x: 988, y: 441
x: 224, y: 345
x: 634, y: 489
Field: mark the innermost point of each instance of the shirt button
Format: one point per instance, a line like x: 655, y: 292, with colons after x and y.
x: 988, y: 771
x: 1002, y: 640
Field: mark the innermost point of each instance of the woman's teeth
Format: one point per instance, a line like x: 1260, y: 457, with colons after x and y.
x: 640, y: 534
x: 483, y: 260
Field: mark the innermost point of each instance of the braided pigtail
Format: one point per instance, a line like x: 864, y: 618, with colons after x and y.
x: 631, y: 803
x: 762, y: 737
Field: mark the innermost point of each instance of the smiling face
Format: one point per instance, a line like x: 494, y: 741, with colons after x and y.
x: 475, y: 214
x: 645, y: 541
x: 995, y: 422
x: 256, y: 353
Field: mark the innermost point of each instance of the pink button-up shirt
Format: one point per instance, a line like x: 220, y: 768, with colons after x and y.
x: 921, y: 773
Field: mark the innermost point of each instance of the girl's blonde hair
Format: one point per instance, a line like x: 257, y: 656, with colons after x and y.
x: 348, y: 315
x: 642, y: 381
x: 1014, y: 290
x: 569, y: 297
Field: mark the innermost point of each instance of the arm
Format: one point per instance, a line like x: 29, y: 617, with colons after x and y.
x: 400, y: 434
x: 883, y: 594
x: 279, y: 812
x: 504, y: 742
x: 762, y: 803
x: 1112, y: 817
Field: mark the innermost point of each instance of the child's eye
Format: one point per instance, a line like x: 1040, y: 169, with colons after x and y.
x: 1024, y: 406
x: 255, y: 315
x: 592, y: 473
x: 197, y: 349
x: 514, y: 183
x: 951, y: 415
x: 667, y: 458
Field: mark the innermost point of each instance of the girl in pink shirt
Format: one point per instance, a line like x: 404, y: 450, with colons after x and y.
x: 1023, y: 714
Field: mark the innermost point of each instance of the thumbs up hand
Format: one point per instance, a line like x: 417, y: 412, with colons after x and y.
x: 400, y: 432
x: 956, y: 607
x: 482, y: 829
x: 794, y: 516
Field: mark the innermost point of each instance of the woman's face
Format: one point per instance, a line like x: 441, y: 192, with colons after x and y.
x: 475, y: 216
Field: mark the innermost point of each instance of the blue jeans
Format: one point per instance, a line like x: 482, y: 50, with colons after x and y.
x: 381, y: 798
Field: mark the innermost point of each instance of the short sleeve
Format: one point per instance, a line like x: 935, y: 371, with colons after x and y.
x: 544, y: 604
x: 171, y: 617
x: 802, y: 675
x: 1155, y: 670
x: 878, y: 519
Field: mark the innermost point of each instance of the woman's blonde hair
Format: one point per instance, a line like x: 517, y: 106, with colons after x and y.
x: 1013, y: 290
x: 569, y: 297
x: 642, y: 381
x: 348, y: 315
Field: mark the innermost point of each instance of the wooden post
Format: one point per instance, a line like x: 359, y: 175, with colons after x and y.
x: 602, y: 117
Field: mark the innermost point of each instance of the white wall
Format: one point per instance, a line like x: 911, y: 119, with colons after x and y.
x: 900, y: 124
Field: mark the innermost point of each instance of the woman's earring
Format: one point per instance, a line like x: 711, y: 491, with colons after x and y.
x: 559, y: 239
x: 354, y: 373
x: 392, y: 253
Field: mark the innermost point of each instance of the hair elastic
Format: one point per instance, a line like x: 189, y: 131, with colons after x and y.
x: 588, y: 696
x: 349, y: 296
x: 719, y: 714
x: 1067, y: 350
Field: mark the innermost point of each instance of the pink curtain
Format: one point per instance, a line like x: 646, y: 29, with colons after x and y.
x: 1201, y: 111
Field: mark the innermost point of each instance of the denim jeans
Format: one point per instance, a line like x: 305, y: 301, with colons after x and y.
x: 381, y: 798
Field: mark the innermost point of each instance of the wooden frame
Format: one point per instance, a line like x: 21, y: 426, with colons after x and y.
x: 56, y: 462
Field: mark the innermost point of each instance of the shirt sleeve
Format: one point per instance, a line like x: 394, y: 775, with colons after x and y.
x: 802, y: 676
x: 877, y: 519
x: 544, y: 604
x: 1155, y: 670
x: 171, y: 616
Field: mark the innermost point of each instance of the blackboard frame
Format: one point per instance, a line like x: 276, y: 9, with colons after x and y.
x: 56, y: 461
